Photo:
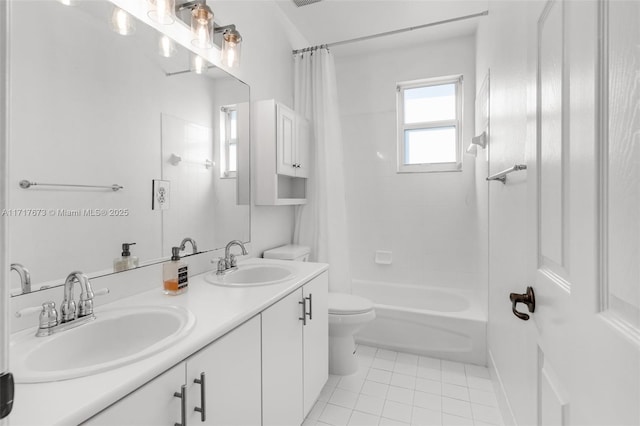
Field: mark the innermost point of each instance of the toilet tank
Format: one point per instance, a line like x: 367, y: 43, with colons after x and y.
x: 288, y: 252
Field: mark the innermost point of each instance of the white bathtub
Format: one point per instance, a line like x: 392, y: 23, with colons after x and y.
x: 441, y: 323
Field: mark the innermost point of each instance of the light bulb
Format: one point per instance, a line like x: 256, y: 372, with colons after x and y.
x: 166, y: 47
x: 202, y: 26
x: 162, y: 11
x: 121, y: 22
x: 230, y: 54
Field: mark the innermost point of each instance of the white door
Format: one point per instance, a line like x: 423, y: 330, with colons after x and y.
x: 315, y: 339
x: 584, y: 186
x: 226, y: 376
x: 282, y: 382
x: 152, y: 404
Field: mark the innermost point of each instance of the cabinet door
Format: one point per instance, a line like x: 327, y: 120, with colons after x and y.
x: 316, y: 339
x: 231, y: 368
x: 153, y: 404
x: 303, y: 146
x: 285, y: 140
x: 282, y: 362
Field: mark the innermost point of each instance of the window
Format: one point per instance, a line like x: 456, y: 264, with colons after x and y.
x: 429, y: 125
x: 228, y: 141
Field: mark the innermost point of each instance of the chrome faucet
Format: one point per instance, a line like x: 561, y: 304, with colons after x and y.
x: 51, y: 322
x: 68, y: 307
x: 25, y: 277
x: 229, y: 260
x: 194, y: 246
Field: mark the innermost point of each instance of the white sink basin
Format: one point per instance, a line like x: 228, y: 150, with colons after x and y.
x: 115, y: 338
x: 251, y: 275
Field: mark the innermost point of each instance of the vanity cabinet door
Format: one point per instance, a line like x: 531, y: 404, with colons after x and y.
x: 316, y: 339
x: 232, y: 389
x: 152, y: 404
x: 282, y: 362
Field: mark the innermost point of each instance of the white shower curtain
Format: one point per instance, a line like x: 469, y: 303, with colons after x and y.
x: 322, y: 223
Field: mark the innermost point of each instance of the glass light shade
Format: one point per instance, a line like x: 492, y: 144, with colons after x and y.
x: 122, y: 22
x: 202, y: 26
x: 162, y: 11
x: 198, y: 64
x: 231, y: 43
x: 166, y: 47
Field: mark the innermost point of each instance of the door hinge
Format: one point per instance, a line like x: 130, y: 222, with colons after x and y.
x: 6, y: 394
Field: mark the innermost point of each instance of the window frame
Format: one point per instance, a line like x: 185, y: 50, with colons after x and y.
x: 455, y: 166
x: 227, y: 141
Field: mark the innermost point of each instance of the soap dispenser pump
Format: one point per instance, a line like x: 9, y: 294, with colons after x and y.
x: 125, y: 261
x: 175, y: 274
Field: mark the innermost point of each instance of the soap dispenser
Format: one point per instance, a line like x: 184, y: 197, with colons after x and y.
x: 175, y: 274
x: 125, y: 261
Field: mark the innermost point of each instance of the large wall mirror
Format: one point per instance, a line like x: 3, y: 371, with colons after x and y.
x: 89, y: 106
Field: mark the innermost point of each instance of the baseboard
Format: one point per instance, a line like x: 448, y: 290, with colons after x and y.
x: 503, y: 401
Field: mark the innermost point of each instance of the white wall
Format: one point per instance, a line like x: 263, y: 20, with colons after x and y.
x: 267, y: 66
x: 428, y: 220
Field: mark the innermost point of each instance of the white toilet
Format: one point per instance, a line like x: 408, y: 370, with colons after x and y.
x: 347, y: 315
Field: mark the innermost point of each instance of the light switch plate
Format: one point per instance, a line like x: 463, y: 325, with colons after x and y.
x: 161, y: 194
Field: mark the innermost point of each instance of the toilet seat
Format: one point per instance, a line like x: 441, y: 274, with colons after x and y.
x: 348, y: 304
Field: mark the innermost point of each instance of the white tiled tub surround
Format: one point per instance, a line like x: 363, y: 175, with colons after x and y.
x: 397, y: 388
x: 438, y: 322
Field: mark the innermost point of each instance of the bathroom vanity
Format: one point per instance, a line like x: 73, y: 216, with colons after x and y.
x: 249, y: 349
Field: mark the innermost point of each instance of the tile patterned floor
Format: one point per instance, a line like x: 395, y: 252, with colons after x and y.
x: 397, y: 389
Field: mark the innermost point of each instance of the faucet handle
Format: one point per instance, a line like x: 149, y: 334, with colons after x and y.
x: 102, y: 292
x: 48, y: 316
x: 222, y: 265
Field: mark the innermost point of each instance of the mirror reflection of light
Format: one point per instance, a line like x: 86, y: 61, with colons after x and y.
x: 167, y: 47
x: 199, y: 64
x: 66, y: 2
x: 380, y: 155
x: 121, y: 22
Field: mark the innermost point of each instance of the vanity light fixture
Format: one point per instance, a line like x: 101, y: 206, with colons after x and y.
x: 231, y: 43
x: 201, y: 22
x: 166, y: 46
x: 162, y: 11
x: 122, y: 22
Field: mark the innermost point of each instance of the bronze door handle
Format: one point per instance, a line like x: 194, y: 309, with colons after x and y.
x: 528, y: 299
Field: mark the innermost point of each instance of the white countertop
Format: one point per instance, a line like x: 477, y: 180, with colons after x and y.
x: 218, y: 310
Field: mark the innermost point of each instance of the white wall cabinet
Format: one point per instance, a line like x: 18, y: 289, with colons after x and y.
x: 231, y: 390
x: 282, y: 142
x: 295, y: 353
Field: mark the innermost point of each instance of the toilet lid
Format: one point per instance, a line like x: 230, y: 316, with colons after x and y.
x: 344, y: 304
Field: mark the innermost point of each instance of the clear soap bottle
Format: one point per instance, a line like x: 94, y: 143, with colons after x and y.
x: 125, y: 261
x: 175, y: 274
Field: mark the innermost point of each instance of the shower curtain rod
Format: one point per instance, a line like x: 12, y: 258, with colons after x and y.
x: 388, y: 33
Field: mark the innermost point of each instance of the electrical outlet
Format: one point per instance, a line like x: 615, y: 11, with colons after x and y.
x: 161, y: 194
